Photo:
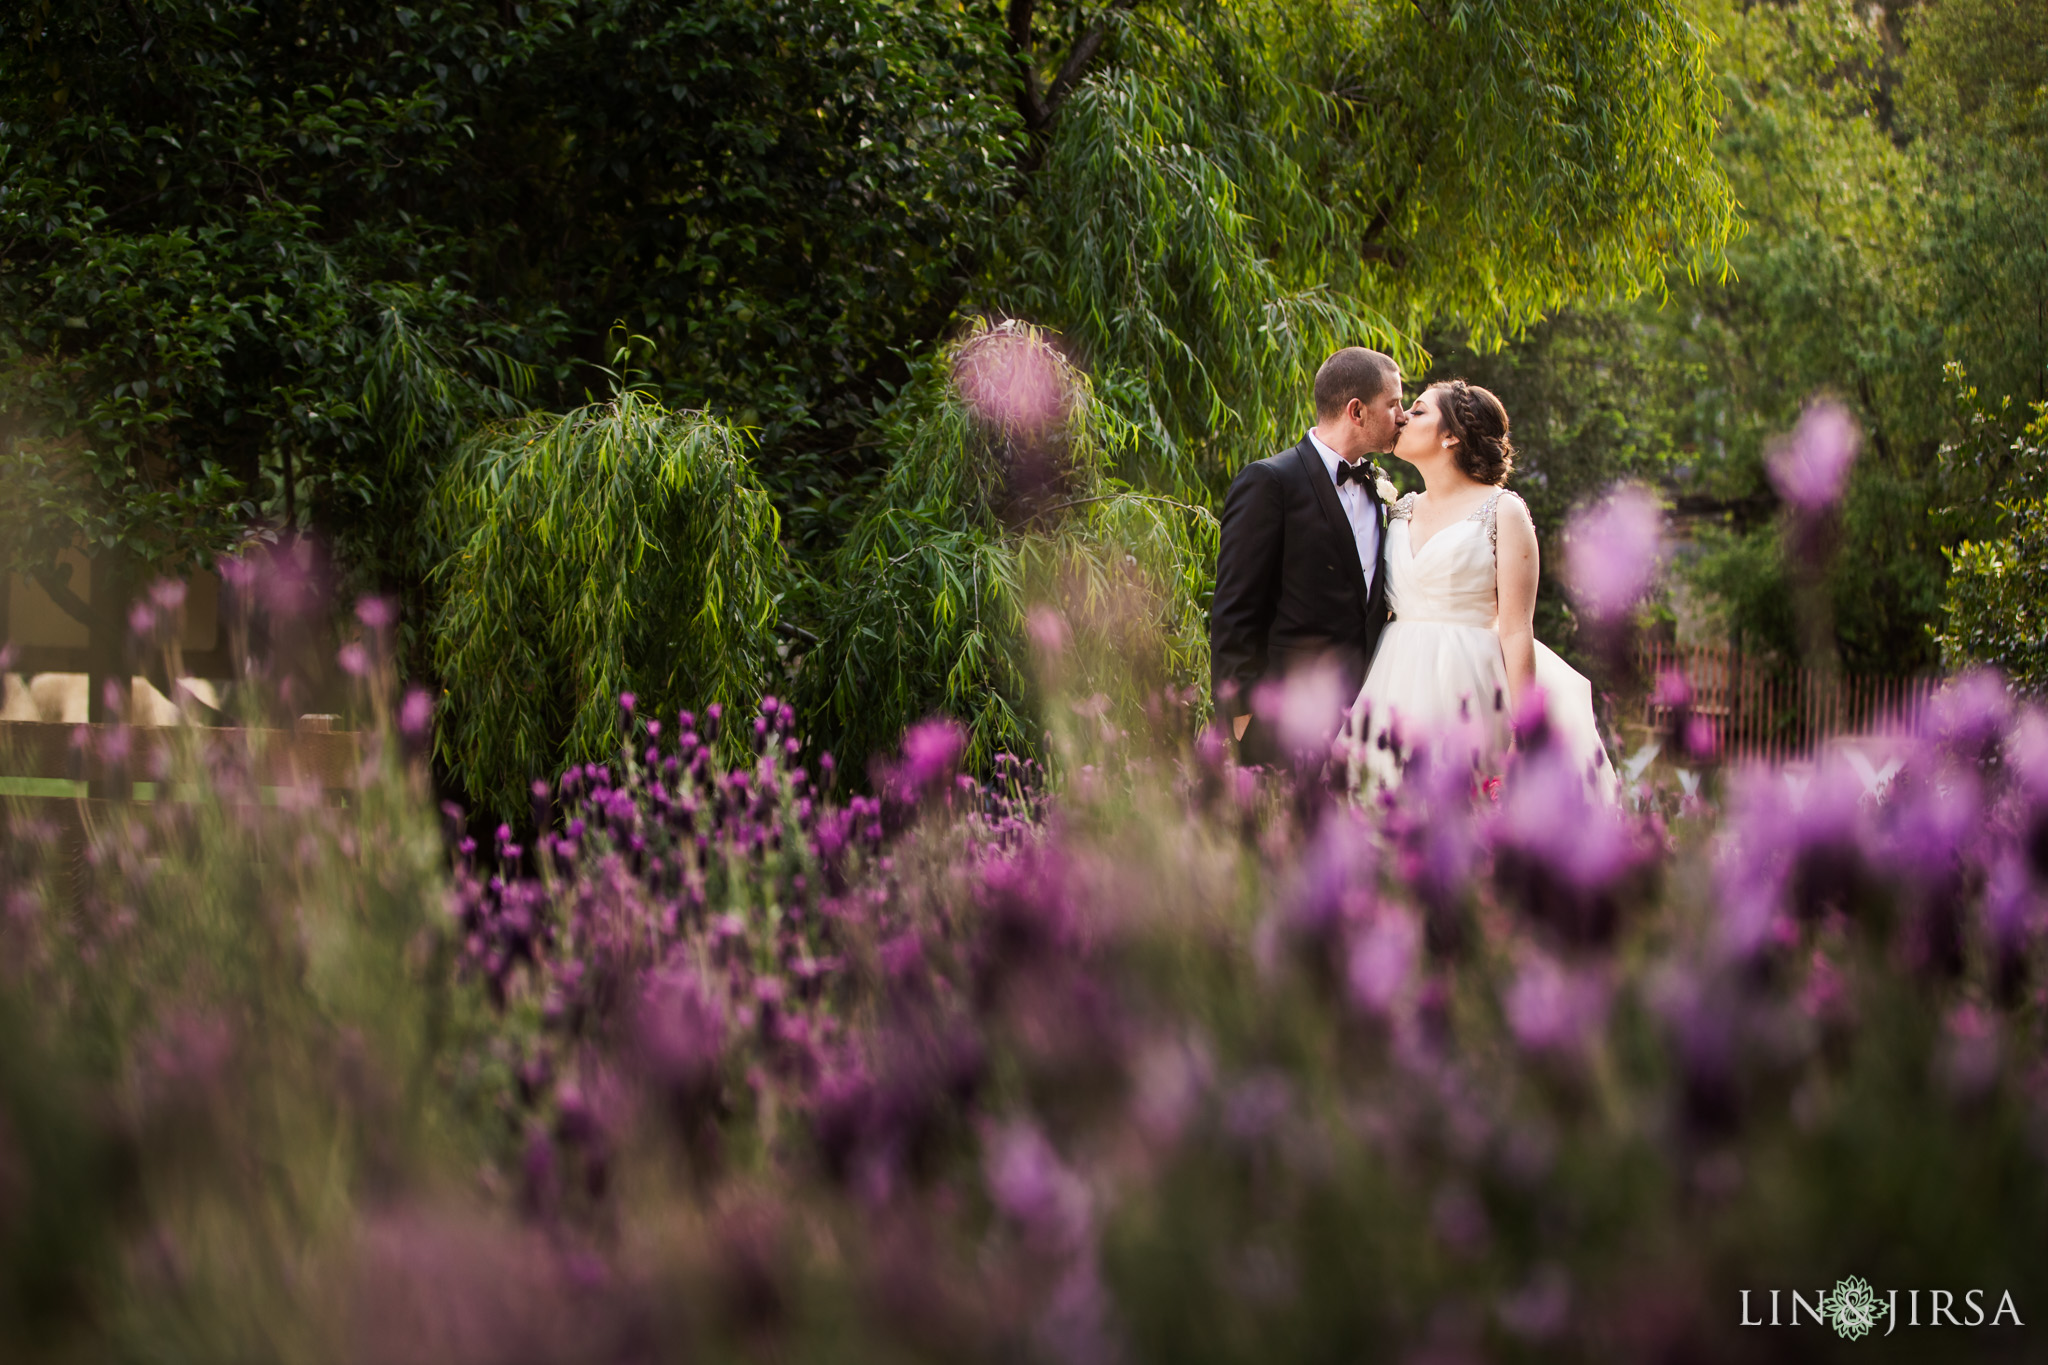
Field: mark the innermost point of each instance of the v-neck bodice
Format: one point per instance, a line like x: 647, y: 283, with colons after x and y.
x: 1439, y: 682
x: 1451, y: 578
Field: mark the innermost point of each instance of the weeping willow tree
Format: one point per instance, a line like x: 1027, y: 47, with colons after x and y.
x: 1220, y: 194
x: 999, y: 500
x: 621, y: 547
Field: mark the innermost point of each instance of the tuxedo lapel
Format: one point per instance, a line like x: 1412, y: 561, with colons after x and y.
x: 1375, y: 604
x: 1312, y: 469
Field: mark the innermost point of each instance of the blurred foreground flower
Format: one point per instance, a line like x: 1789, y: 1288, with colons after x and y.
x: 1811, y: 468
x: 1011, y: 378
x: 1611, y: 551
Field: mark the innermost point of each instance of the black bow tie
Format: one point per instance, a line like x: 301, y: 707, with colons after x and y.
x: 1359, y: 473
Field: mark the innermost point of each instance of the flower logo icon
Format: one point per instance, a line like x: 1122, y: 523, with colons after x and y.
x: 1853, y: 1308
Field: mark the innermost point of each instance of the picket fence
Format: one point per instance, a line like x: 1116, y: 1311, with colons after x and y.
x: 1761, y: 710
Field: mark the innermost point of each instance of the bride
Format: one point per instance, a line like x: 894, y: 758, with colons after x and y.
x: 1460, y: 658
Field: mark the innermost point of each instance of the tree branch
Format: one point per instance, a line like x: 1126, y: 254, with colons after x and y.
x: 59, y: 590
x: 1134, y: 497
x: 1076, y: 64
x: 1382, y: 217
x: 1038, y: 107
x: 794, y: 632
x: 1029, y: 103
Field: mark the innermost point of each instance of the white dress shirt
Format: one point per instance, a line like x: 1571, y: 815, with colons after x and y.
x: 1357, y: 502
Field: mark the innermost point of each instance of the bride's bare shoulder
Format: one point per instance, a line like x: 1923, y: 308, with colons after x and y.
x: 1511, y: 519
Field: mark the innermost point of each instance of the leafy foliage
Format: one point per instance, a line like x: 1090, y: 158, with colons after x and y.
x: 987, y: 510
x: 219, y: 316
x: 1179, y: 239
x: 1998, y: 586
x: 1976, y: 95
x: 1241, y: 193
x: 621, y: 547
x: 217, y: 219
x: 782, y: 196
x: 1888, y: 180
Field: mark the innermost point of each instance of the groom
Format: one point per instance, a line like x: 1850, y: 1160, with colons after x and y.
x: 1300, y: 581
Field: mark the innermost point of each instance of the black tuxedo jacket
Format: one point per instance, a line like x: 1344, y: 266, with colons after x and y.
x: 1289, y: 588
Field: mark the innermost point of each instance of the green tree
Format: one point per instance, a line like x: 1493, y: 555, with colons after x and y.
x: 1887, y: 166
x: 999, y: 498
x: 1992, y: 609
x: 1825, y: 295
x: 226, y: 231
x: 622, y: 547
x: 1245, y: 187
x: 1976, y: 97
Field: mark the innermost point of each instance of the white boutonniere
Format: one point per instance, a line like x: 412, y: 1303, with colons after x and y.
x: 1384, y: 488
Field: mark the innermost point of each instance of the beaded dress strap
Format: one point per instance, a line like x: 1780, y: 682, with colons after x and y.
x: 1403, y: 508
x: 1489, y: 516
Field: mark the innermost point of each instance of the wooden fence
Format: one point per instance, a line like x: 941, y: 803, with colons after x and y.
x: 112, y: 757
x: 109, y: 760
x: 1762, y: 711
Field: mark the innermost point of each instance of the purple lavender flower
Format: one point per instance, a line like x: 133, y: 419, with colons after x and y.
x: 237, y: 571
x: 1812, y: 468
x: 1336, y: 882
x: 1561, y: 854
x: 1554, y: 1009
x: 1048, y: 631
x: 931, y: 753
x: 1968, y: 1063
x: 1750, y: 872
x: 1385, y: 954
x: 1824, y: 997
x: 1969, y: 716
x: 1028, y: 916
x: 1307, y: 709
x: 1029, y: 1184
x: 1672, y: 690
x: 1611, y: 551
x: 376, y: 613
x: 167, y: 595
x: 415, y: 713
x: 681, y: 1031
x: 184, y: 1060
x: 1010, y: 379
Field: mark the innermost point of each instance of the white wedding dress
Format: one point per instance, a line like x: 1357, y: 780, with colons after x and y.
x: 1439, y: 680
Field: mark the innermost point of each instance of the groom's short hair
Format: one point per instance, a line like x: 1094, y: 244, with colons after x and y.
x: 1354, y: 372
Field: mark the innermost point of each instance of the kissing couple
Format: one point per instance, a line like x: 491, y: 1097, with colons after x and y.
x: 1377, y: 627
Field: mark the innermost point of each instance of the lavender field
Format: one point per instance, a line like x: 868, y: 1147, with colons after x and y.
x: 1158, y: 1059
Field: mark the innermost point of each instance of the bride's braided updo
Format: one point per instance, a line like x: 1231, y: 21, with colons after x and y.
x: 1480, y: 423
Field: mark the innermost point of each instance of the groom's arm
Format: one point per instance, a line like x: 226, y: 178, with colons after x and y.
x: 1247, y: 591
